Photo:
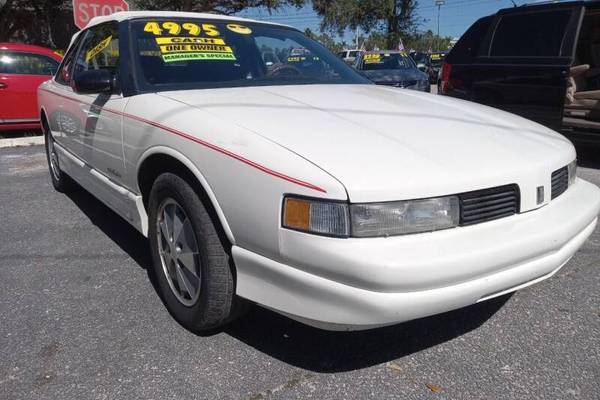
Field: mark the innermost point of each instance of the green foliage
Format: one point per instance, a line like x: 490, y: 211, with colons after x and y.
x: 35, y: 22
x: 419, y: 41
x: 425, y: 41
x: 392, y: 18
x: 220, y: 7
x: 326, y: 40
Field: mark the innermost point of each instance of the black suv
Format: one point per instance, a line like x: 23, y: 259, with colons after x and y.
x: 540, y: 61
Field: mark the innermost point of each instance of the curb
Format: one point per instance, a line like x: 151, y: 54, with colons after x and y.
x: 23, y: 141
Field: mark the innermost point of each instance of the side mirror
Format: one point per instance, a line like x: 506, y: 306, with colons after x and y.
x: 93, y: 81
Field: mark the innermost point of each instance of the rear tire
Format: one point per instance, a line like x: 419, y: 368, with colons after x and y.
x: 60, y: 180
x: 191, y: 265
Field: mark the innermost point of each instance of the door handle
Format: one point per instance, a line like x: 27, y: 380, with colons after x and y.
x: 88, y: 112
x: 3, y: 85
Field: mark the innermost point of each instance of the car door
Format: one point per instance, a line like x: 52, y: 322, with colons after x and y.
x: 522, y: 61
x: 20, y: 75
x: 63, y: 123
x: 98, y: 116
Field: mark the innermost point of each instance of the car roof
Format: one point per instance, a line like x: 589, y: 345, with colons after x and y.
x: 128, y: 15
x: 552, y: 2
x: 385, y: 52
x: 549, y: 4
x: 30, y: 49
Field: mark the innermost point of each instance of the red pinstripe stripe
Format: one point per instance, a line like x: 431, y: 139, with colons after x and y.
x: 203, y: 143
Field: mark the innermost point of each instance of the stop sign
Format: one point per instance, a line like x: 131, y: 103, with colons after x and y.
x: 85, y: 10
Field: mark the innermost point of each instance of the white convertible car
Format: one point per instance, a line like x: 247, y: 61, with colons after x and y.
x: 299, y: 185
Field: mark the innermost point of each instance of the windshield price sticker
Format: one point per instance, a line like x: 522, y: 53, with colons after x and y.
x: 241, y: 29
x: 189, y: 40
x: 296, y: 59
x: 373, y: 58
x: 174, y: 28
x: 209, y: 46
x: 293, y: 59
x: 98, y: 49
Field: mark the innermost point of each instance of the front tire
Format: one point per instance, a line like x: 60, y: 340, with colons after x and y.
x: 190, y: 263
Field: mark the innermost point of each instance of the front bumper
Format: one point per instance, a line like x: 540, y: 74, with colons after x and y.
x: 346, y: 284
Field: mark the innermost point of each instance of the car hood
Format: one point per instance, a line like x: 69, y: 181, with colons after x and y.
x: 395, y: 75
x: 384, y: 144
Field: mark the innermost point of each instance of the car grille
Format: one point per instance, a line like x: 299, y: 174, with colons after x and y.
x: 488, y: 204
x: 560, y: 181
x: 398, y: 84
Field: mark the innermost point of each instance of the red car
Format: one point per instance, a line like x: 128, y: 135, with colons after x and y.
x: 22, y: 69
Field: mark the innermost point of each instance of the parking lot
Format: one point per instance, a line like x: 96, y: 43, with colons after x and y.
x: 79, y: 318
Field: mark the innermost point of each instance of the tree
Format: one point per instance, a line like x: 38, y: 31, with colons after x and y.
x: 217, y: 6
x: 36, y: 21
x: 424, y: 41
x: 326, y: 40
x: 393, y: 18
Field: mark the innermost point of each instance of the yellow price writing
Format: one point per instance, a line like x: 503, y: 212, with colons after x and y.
x: 174, y: 28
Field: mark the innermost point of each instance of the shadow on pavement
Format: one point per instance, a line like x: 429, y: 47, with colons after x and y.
x: 112, y: 225
x: 323, y: 351
x: 298, y: 344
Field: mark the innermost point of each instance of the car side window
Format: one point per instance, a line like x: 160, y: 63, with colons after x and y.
x: 22, y: 63
x: 470, y: 42
x: 64, y: 71
x: 532, y: 34
x: 99, y: 49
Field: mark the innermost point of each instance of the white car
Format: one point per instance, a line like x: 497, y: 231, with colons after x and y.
x: 303, y: 187
x: 349, y: 56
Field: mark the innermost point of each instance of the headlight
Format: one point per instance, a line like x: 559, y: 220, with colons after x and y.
x: 402, y: 217
x: 316, y: 216
x: 370, y: 219
x: 572, y: 168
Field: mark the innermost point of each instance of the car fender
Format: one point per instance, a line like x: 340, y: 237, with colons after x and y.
x: 199, y: 176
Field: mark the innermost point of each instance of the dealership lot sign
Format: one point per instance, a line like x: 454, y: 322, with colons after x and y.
x: 85, y: 10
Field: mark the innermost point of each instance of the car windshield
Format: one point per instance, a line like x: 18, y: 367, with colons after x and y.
x: 386, y: 61
x: 201, y: 53
x: 437, y: 58
x: 420, y: 58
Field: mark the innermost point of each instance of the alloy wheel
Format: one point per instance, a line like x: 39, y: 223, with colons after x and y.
x: 178, y: 250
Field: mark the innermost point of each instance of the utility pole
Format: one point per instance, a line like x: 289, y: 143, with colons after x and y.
x: 439, y: 4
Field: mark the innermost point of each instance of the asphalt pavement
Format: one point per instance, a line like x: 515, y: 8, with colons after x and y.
x: 80, y: 319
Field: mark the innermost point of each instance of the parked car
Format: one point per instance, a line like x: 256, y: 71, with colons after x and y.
x: 423, y: 62
x: 349, y: 56
x: 392, y: 68
x: 437, y: 59
x: 22, y: 69
x: 311, y: 191
x: 539, y: 61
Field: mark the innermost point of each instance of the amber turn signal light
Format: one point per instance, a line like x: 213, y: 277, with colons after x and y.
x: 296, y: 214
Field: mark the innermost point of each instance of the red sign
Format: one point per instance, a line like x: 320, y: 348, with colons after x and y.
x: 85, y: 10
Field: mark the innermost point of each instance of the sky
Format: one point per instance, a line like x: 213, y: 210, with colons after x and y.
x: 456, y: 16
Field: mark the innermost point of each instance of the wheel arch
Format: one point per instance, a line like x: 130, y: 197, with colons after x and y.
x: 43, y: 117
x: 159, y: 159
